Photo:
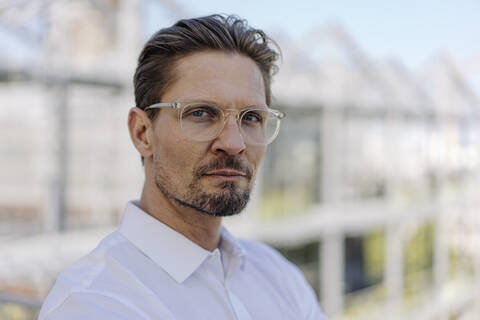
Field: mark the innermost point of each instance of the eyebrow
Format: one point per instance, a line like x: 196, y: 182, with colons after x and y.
x: 262, y: 106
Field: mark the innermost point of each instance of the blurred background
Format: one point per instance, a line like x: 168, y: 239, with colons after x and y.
x: 370, y: 187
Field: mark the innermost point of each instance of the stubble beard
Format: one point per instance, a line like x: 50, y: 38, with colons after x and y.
x: 227, y: 201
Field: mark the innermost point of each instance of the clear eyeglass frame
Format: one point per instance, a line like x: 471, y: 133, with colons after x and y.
x: 181, y: 106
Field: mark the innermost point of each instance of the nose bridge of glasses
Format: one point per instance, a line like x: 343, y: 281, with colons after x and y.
x: 231, y: 112
x: 236, y: 116
x: 234, y: 113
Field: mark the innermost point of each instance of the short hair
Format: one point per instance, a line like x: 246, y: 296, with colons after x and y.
x: 227, y: 33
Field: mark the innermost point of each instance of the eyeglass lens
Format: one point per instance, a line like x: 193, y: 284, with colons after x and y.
x: 202, y: 122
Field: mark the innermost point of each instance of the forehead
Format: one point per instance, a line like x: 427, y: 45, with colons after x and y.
x: 226, y: 78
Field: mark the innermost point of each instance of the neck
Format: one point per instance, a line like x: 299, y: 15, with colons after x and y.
x: 199, y: 227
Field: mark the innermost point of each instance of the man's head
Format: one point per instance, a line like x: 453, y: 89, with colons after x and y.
x: 156, y: 64
x: 227, y: 66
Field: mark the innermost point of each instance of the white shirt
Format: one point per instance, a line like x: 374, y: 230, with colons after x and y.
x: 146, y: 270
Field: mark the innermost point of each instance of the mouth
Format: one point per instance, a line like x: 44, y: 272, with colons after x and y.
x: 226, y: 174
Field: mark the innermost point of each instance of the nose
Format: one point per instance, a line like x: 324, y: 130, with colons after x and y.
x: 230, y: 140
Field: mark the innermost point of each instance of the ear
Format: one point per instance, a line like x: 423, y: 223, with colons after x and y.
x: 141, y: 131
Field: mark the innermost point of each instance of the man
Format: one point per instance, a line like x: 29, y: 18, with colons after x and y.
x: 201, y: 125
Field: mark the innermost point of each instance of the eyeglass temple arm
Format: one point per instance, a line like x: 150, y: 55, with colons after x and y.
x: 174, y: 105
x: 278, y: 114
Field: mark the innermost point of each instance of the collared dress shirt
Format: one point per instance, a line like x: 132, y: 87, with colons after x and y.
x: 146, y: 270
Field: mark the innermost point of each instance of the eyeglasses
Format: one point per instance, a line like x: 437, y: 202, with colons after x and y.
x: 202, y: 121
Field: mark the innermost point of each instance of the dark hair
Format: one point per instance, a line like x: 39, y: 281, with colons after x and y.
x: 156, y: 63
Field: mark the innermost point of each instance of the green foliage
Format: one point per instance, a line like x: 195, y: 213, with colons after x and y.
x: 11, y: 311
x: 418, y: 250
x: 280, y: 203
x: 374, y: 254
x: 418, y: 260
x: 460, y: 264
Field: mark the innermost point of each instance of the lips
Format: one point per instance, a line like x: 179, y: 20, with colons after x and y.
x: 226, y: 173
x: 227, y: 168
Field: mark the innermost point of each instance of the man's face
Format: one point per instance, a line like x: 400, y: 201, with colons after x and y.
x: 213, y: 177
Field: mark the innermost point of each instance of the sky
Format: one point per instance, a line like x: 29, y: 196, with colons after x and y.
x: 413, y: 31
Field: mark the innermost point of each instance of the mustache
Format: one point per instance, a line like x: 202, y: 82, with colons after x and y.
x: 228, y: 162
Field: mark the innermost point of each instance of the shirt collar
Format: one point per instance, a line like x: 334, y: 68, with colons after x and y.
x: 172, y: 251
x: 232, y: 247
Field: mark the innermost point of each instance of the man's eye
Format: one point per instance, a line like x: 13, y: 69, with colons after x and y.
x: 199, y: 113
x: 252, y: 117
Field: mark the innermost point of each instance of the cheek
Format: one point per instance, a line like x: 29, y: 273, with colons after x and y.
x: 181, y: 157
x: 256, y: 155
x: 175, y: 157
x: 169, y: 145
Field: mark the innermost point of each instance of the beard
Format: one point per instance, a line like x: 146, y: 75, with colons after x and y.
x: 229, y: 200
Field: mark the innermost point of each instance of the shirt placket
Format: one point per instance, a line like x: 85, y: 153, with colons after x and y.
x: 226, y: 266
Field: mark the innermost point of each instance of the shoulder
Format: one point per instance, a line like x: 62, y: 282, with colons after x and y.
x: 265, y: 256
x: 73, y: 285
x: 86, y: 304
x: 274, y: 265
x: 285, y: 276
x: 83, y: 272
